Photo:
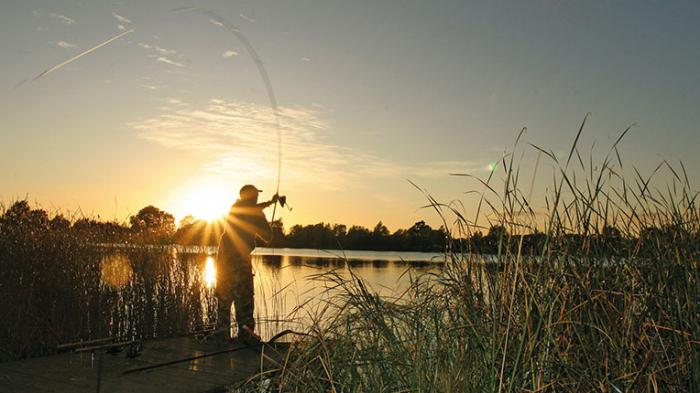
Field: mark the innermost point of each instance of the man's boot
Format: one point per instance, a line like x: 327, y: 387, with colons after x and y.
x: 248, y: 336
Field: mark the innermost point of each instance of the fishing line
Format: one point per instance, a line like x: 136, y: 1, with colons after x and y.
x: 225, y: 23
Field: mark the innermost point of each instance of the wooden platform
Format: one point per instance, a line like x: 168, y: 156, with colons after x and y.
x: 78, y: 372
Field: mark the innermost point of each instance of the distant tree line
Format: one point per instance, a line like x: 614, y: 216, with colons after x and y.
x: 149, y: 226
x: 419, y: 237
x: 154, y: 226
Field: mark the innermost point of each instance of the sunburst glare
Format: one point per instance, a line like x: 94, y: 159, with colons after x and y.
x: 203, y: 201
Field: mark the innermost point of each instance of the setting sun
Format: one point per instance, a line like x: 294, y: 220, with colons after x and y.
x: 203, y: 201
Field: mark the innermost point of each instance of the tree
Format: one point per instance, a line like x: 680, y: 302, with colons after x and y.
x: 358, y: 237
x: 497, y: 232
x: 339, y: 232
x: 59, y: 223
x: 20, y: 213
x: 277, y: 233
x: 611, y: 233
x: 419, y: 236
x: 153, y: 224
x: 380, y: 230
x: 496, y: 238
x: 20, y: 221
x: 380, y: 235
x: 186, y: 221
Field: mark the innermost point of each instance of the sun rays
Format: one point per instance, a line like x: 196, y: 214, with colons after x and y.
x: 205, y: 201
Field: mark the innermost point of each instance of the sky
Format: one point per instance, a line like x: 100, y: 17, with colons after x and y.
x: 371, y: 94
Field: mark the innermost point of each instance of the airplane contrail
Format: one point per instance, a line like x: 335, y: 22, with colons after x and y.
x: 76, y: 57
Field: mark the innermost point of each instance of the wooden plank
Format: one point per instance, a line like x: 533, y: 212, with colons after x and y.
x: 73, y: 372
x: 15, y: 381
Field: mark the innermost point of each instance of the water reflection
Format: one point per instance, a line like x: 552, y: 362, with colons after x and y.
x: 209, y: 274
x: 378, y: 263
x: 154, y: 293
x: 291, y: 290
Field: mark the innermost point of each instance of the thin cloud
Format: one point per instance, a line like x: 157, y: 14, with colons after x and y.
x: 241, y: 138
x: 161, y: 54
x: 64, y: 19
x: 121, y: 18
x: 216, y: 22
x: 229, y: 54
x: 165, y: 52
x: 65, y: 45
x: 165, y: 60
x: 249, y: 19
x: 121, y: 27
x: 305, y: 59
x: 174, y: 101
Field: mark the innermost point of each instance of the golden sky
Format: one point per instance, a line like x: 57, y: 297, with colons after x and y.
x: 175, y: 113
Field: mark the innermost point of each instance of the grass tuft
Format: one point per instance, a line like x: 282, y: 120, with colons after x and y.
x: 598, y: 292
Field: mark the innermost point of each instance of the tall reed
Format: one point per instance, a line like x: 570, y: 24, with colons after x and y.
x: 59, y: 285
x: 605, y: 297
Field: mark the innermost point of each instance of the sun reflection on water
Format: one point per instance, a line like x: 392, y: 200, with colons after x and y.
x: 210, y: 272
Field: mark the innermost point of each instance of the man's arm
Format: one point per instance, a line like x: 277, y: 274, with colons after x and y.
x: 269, y: 203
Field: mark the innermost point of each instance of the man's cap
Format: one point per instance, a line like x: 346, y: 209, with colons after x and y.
x: 249, y: 188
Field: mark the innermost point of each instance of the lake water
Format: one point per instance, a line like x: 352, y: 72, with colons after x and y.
x: 151, y: 291
x: 290, y: 288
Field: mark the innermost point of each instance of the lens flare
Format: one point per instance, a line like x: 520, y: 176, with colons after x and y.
x: 115, y: 270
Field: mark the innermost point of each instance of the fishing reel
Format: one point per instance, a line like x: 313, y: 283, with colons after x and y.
x: 282, y: 199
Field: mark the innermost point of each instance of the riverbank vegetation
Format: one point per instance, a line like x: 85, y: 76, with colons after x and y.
x: 154, y: 226
x: 601, y: 303
x: 58, y: 287
x: 598, y: 291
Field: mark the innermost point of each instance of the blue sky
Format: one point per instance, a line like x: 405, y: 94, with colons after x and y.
x: 371, y: 93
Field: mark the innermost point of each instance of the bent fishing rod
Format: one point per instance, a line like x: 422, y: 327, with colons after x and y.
x: 219, y: 20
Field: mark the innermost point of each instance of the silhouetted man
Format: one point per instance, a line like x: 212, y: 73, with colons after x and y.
x: 234, y: 273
